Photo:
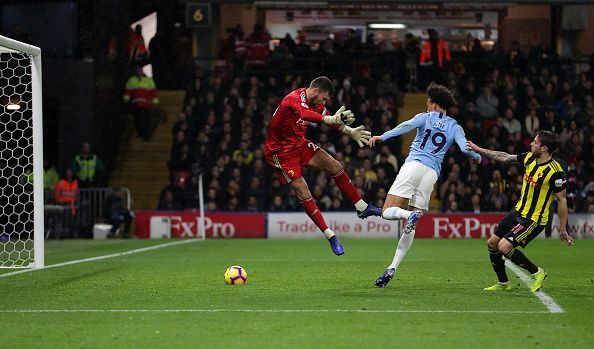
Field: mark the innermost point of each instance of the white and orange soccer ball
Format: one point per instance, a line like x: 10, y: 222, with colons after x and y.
x: 235, y: 275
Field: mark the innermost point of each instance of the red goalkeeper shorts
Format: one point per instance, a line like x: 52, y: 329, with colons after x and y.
x: 287, y: 165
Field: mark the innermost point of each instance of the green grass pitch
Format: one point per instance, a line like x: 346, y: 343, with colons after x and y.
x: 299, y: 295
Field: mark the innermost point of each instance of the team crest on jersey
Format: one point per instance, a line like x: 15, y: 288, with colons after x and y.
x: 291, y: 173
x: 304, y: 100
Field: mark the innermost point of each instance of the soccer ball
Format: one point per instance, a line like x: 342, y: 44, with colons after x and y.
x: 235, y: 275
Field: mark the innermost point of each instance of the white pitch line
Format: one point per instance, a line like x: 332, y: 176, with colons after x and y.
x: 388, y: 311
x: 91, y: 259
x: 544, y: 298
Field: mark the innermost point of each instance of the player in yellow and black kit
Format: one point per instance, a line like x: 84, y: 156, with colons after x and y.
x: 543, y: 179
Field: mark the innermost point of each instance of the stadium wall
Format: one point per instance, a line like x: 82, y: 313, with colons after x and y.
x: 586, y: 44
x: 529, y: 25
x: 234, y: 14
x: 297, y: 225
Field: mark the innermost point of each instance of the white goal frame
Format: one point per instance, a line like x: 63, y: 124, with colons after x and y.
x: 34, y: 52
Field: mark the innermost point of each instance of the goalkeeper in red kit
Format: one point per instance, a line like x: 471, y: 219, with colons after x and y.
x: 287, y: 150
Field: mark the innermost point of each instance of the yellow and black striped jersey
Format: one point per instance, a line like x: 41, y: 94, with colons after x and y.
x: 541, y: 181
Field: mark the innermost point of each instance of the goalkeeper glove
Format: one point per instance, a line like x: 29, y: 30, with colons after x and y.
x: 341, y: 117
x: 358, y: 134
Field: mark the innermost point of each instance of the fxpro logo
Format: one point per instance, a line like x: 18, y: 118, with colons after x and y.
x: 190, y: 228
x: 533, y: 182
x: 468, y: 227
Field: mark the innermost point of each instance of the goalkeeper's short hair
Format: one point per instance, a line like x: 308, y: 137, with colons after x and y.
x: 441, y: 95
x: 322, y: 83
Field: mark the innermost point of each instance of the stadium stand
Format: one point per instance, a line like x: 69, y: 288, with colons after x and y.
x: 221, y: 129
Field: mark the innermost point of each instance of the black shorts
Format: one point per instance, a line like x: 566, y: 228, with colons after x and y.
x: 518, y: 230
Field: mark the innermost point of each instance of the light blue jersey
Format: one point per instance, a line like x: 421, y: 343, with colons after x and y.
x: 435, y: 134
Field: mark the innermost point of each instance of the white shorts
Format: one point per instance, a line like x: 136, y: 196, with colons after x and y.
x: 415, y: 182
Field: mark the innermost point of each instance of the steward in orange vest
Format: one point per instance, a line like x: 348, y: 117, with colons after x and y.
x: 66, y: 191
x: 434, y: 50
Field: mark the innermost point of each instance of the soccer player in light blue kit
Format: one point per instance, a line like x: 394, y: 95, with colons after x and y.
x: 436, y: 132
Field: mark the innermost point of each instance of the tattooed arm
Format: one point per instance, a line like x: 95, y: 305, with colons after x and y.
x: 500, y: 156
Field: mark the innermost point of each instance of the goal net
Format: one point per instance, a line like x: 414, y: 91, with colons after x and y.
x: 21, y: 156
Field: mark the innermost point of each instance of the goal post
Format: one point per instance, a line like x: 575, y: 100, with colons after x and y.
x: 21, y: 156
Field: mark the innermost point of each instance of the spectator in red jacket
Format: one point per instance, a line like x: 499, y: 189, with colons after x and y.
x: 135, y: 45
x: 257, y: 51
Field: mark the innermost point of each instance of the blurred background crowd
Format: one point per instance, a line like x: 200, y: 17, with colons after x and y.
x: 504, y: 96
x: 142, y: 99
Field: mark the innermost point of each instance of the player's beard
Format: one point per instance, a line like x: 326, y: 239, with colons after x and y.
x: 314, y: 99
x: 537, y: 153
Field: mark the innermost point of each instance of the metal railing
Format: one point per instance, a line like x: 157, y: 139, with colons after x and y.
x: 76, y: 219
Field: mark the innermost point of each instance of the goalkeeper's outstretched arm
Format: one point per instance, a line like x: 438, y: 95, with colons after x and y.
x: 358, y: 134
x: 500, y: 156
x: 340, y: 118
x: 339, y: 121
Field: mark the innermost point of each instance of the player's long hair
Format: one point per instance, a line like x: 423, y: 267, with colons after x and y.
x: 441, y: 95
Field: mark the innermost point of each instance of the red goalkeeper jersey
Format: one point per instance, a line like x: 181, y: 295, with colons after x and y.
x: 290, y: 120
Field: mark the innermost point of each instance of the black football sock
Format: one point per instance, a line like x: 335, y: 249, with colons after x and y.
x: 498, y: 266
x: 520, y: 259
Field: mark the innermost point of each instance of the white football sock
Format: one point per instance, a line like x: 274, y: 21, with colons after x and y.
x: 329, y: 233
x: 395, y: 213
x: 360, y: 205
x: 402, y: 248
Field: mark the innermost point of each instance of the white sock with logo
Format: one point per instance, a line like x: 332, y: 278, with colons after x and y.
x: 329, y: 233
x: 360, y: 205
x: 395, y: 213
x: 403, y: 245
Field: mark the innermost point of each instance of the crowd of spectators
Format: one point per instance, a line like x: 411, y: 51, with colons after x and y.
x: 503, y: 98
x: 501, y: 108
